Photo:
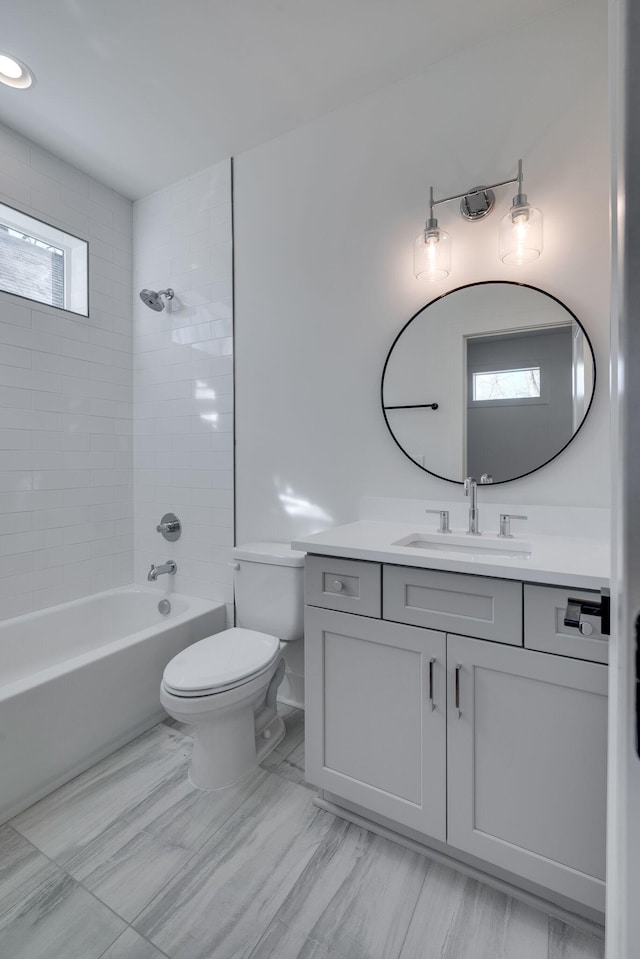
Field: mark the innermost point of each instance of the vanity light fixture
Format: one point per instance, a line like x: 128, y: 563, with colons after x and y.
x: 432, y: 249
x: 521, y: 229
x: 14, y: 73
x: 520, y: 235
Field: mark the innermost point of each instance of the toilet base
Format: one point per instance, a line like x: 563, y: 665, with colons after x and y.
x: 265, y: 744
x: 220, y: 760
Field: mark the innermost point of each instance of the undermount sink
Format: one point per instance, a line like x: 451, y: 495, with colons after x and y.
x: 482, y: 545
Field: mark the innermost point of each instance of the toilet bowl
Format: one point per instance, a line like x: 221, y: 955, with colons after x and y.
x: 225, y: 686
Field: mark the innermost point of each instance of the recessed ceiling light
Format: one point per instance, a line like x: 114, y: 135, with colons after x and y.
x: 15, y: 73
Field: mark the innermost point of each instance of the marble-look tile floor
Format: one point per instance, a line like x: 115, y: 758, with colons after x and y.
x: 129, y: 861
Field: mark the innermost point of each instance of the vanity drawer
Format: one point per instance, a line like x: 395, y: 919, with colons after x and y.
x: 454, y: 603
x: 544, y: 629
x: 348, y: 585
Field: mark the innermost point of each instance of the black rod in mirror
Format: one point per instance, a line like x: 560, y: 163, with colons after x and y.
x: 415, y: 406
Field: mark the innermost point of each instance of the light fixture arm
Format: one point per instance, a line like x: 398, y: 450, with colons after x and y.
x: 478, y: 190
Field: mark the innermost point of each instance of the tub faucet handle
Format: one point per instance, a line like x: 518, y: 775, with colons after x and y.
x: 170, y: 527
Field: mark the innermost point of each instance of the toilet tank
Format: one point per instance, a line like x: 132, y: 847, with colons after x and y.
x: 269, y: 590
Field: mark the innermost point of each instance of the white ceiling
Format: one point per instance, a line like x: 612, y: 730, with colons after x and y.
x: 140, y: 93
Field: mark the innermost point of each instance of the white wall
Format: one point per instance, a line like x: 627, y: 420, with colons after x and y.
x: 325, y: 218
x: 65, y: 399
x: 183, y: 382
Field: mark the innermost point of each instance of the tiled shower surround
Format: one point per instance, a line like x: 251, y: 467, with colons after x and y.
x: 67, y: 411
x: 183, y: 382
x: 66, y: 526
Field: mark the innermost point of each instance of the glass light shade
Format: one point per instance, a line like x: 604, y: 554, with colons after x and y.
x: 432, y: 255
x: 521, y: 235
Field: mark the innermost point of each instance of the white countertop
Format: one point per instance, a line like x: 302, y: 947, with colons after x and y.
x: 581, y: 562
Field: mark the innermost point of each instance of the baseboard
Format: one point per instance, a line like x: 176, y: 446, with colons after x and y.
x: 291, y: 690
x: 287, y: 701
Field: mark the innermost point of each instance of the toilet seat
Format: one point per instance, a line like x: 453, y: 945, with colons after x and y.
x: 220, y: 662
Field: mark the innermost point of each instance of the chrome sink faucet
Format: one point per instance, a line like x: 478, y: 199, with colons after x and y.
x: 169, y: 567
x: 471, y: 489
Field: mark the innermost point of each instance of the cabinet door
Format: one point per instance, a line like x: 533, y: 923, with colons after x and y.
x: 375, y: 699
x: 527, y: 761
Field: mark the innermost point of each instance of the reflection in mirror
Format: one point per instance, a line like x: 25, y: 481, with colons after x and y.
x: 491, y: 380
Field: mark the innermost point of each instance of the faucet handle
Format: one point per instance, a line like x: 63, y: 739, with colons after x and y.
x: 469, y: 483
x: 444, y: 519
x: 170, y: 527
x: 505, y: 524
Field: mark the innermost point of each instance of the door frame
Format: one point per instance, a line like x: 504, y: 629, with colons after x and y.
x: 623, y: 835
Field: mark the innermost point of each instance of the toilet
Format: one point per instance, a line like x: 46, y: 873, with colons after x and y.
x: 225, y: 686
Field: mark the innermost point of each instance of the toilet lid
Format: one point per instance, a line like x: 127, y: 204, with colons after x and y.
x: 233, y: 656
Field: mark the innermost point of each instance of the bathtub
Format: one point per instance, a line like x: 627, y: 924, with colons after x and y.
x: 81, y: 679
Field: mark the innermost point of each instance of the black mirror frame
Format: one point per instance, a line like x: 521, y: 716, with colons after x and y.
x: 467, y: 286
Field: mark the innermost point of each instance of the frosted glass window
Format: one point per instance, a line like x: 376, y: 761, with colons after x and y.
x: 506, y: 384
x: 41, y: 263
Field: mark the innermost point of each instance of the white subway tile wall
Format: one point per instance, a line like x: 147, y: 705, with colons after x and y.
x: 183, y: 382
x: 66, y: 468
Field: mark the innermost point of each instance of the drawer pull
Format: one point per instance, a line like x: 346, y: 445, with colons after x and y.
x: 458, y: 668
x: 337, y: 586
x: 431, y: 662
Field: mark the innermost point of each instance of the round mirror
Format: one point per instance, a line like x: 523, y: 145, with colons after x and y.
x: 492, y: 380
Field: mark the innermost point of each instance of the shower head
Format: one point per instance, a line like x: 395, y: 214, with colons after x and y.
x: 152, y: 299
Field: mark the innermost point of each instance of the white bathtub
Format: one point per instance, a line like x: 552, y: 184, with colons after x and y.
x: 81, y: 679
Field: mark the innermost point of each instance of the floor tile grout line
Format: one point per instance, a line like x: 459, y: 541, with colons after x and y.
x: 148, y: 941
x: 195, y: 853
x: 123, y: 817
x: 77, y: 883
x: 335, y: 952
x: 308, y: 866
x: 415, y: 907
x: 11, y: 821
x: 129, y: 923
x: 7, y: 825
x: 262, y: 933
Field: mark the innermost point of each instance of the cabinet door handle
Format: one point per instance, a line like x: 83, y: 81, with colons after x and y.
x: 458, y: 668
x: 337, y: 585
x: 431, y: 662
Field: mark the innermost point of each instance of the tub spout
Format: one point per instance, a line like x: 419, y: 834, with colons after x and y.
x: 155, y: 571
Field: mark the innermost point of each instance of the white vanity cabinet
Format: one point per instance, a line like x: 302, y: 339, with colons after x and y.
x: 375, y: 695
x: 485, y: 744
x: 527, y: 764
